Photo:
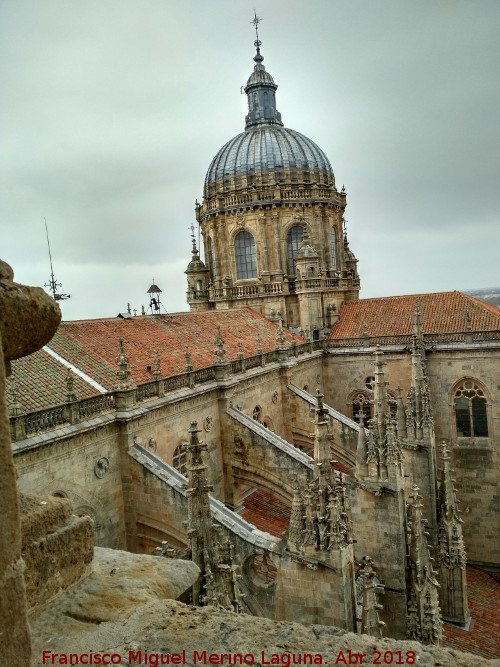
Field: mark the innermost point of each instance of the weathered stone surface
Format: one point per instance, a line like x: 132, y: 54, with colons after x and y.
x: 169, y: 627
x: 119, y: 582
x: 28, y: 319
x: 57, y: 546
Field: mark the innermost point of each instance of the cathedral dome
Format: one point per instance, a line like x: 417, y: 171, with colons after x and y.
x: 266, y: 153
x: 266, y: 148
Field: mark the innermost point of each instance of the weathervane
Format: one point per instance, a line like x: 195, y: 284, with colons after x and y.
x: 255, y: 21
x: 53, y: 284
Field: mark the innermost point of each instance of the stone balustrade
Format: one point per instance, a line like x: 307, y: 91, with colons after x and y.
x: 25, y: 425
x: 430, y: 339
x: 271, y: 195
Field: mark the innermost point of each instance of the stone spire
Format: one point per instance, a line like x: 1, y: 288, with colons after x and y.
x: 451, y: 550
x: 423, y: 613
x: 325, y: 524
x: 383, y: 446
x: 261, y: 91
x: 210, y: 547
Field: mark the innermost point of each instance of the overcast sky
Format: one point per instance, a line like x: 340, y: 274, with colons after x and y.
x: 112, y: 111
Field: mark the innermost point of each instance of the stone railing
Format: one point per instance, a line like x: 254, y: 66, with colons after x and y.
x: 272, y: 194
x: 76, y: 411
x: 430, y: 339
x: 285, y: 287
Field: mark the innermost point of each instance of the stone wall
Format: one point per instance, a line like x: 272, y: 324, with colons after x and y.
x: 57, y: 546
x: 83, y: 467
x: 476, y: 461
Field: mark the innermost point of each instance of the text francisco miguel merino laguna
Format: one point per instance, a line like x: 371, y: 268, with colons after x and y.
x: 229, y: 658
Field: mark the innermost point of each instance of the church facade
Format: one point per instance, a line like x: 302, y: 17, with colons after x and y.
x: 348, y: 446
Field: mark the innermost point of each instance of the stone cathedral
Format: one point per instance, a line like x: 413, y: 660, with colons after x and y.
x: 322, y: 458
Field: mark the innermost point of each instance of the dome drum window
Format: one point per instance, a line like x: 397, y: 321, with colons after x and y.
x: 244, y: 249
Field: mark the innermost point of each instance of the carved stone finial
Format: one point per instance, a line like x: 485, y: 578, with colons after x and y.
x: 14, y: 406
x: 219, y: 351
x: 259, y: 345
x: 280, y: 335
x: 157, y: 372
x: 123, y: 372
x: 71, y: 397
x: 188, y: 367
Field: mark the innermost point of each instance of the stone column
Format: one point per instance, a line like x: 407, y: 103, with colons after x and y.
x: 28, y: 320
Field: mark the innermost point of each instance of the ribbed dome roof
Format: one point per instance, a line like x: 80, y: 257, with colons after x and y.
x: 266, y: 153
x: 267, y: 147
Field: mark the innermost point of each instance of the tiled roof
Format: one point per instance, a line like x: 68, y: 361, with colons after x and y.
x: 483, y: 637
x: 267, y: 512
x: 442, y: 312
x: 92, y: 346
x: 40, y: 380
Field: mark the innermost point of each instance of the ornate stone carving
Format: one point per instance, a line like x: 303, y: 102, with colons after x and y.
x: 208, y: 423
x: 366, y: 585
x: 101, y: 467
x: 423, y: 613
x: 210, y: 548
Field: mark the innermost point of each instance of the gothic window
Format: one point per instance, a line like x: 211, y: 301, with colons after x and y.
x: 470, y: 411
x: 310, y: 272
x: 293, y: 243
x: 370, y: 382
x: 179, y: 460
x: 244, y: 248
x: 211, y: 259
x: 360, y: 402
x: 393, y: 404
x: 333, y: 247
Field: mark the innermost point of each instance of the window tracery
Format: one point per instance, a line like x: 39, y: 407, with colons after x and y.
x: 361, y: 402
x: 244, y: 249
x: 179, y: 460
x: 471, y: 414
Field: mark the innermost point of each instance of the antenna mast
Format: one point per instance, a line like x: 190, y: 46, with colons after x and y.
x: 53, y: 284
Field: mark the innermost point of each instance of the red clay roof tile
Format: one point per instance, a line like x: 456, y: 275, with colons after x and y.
x: 441, y: 312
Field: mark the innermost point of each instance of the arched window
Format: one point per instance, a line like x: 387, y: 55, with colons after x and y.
x: 211, y: 259
x: 333, y: 247
x: 470, y: 410
x: 244, y: 248
x: 179, y: 460
x: 293, y: 243
x: 361, y: 402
